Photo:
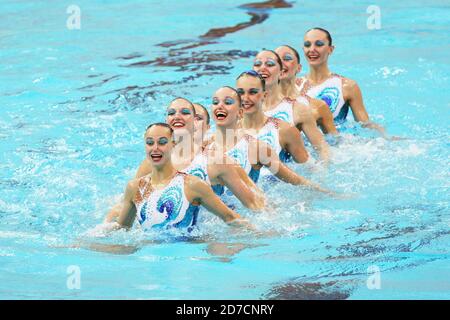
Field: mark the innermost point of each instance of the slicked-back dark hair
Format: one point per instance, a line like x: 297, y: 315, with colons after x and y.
x: 254, y: 74
x: 189, y: 102
x: 276, y: 55
x: 330, y: 40
x: 293, y: 50
x: 237, y: 94
x: 160, y: 124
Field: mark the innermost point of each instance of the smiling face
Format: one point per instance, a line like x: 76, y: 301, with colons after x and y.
x: 158, y: 145
x: 291, y: 65
x: 225, y: 107
x: 180, y: 116
x: 266, y: 64
x: 251, y: 92
x: 316, y: 47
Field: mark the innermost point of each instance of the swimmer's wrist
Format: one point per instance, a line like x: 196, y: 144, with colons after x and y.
x: 240, y: 223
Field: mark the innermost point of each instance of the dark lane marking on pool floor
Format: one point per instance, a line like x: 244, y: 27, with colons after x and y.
x: 200, y: 62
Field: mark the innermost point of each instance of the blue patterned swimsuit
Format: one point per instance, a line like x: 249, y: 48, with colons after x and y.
x: 329, y: 91
x: 167, y: 207
x: 270, y: 135
x: 240, y: 153
x: 283, y: 111
x: 199, y: 167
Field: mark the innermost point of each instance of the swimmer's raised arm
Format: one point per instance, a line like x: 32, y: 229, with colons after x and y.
x: 200, y: 192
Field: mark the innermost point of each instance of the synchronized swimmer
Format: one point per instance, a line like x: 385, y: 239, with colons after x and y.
x: 260, y: 129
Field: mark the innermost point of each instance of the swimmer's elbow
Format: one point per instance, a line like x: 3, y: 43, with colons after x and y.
x: 302, y: 157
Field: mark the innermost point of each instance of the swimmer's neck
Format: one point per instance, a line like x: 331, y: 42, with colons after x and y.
x: 254, y: 121
x: 186, y: 148
x: 162, y: 175
x: 273, y: 97
x: 199, y: 138
x: 289, y: 88
x: 226, y: 137
x: 318, y: 74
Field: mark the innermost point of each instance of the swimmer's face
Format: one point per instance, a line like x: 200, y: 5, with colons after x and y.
x: 201, y: 119
x: 180, y: 117
x: 158, y: 145
x: 225, y: 107
x: 316, y: 47
x: 251, y: 92
x: 291, y: 66
x: 266, y: 64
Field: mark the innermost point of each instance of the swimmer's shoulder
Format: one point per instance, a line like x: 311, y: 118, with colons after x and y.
x: 136, y: 184
x: 302, y: 112
x: 347, y: 82
x: 349, y: 87
x: 191, y: 181
x: 283, y: 126
x: 194, y: 187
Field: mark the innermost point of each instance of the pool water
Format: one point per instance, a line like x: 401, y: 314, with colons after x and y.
x: 74, y: 105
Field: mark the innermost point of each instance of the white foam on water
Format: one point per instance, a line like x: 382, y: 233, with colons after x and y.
x: 4, y: 253
x: 17, y: 234
x: 387, y: 72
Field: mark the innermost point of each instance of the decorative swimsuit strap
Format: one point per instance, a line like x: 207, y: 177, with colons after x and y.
x: 145, y: 189
x: 274, y: 121
x: 307, y: 84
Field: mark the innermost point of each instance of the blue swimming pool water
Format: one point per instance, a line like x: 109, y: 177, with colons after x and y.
x: 74, y: 104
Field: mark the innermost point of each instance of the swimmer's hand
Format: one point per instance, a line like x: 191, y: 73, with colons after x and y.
x: 317, y: 187
x: 247, y: 226
x: 241, y: 224
x: 103, y: 229
x: 227, y: 249
x: 99, y: 231
x: 343, y: 196
x: 334, y: 194
x: 396, y: 138
x: 267, y: 234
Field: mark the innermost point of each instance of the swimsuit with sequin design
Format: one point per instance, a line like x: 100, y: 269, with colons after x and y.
x: 283, y: 111
x: 199, y: 167
x: 167, y: 207
x: 269, y: 134
x: 329, y: 91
